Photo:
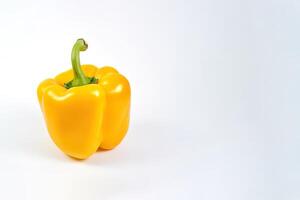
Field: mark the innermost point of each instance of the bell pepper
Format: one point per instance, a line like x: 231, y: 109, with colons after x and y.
x: 85, y: 108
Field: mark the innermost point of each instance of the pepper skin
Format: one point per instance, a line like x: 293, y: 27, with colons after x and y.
x: 86, y: 116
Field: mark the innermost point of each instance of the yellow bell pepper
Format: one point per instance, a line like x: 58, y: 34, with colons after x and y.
x: 86, y: 108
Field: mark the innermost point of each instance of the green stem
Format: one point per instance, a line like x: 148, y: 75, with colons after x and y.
x: 79, y: 76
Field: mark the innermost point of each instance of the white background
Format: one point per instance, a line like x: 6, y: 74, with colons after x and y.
x: 215, y: 98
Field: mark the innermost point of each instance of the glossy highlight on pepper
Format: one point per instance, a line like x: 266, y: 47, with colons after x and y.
x: 85, y: 108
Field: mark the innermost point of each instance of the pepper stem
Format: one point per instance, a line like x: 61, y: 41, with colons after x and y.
x: 79, y: 76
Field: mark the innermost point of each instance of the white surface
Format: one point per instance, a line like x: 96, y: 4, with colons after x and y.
x: 215, y: 105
